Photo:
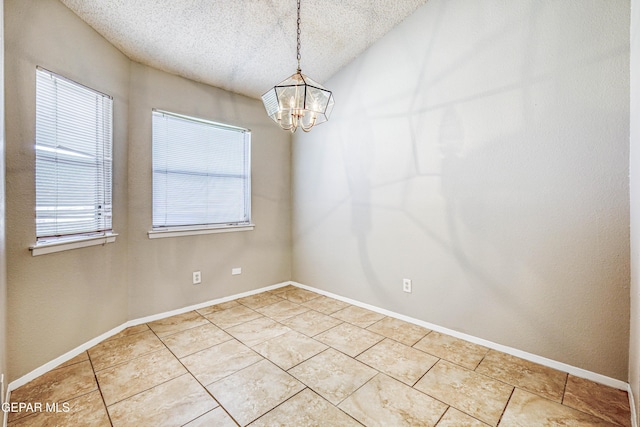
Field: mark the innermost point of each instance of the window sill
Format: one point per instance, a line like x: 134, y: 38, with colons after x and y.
x: 193, y: 231
x: 66, y: 245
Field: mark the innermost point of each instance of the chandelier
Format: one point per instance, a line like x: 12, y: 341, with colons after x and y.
x: 298, y: 101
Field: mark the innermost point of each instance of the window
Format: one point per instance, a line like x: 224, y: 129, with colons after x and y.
x: 73, y: 161
x: 201, y: 174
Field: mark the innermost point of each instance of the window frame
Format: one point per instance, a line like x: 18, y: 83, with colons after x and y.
x: 198, y: 229
x: 79, y: 239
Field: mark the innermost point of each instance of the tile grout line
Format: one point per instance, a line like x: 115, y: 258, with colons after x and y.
x: 252, y: 364
x: 342, y: 400
x: 317, y: 354
x: 423, y: 375
x: 433, y: 397
x: 147, y: 389
x: 336, y: 406
x: 591, y: 415
x: 462, y: 412
x: 281, y: 403
x: 398, y: 341
x: 95, y: 377
x: 140, y: 356
x: 457, y: 364
x: 358, y: 388
x: 445, y: 403
x: 442, y: 416
x: 70, y: 364
x: 506, y: 406
x: 564, y: 389
x: 238, y: 324
x: 535, y: 393
x: 375, y: 369
x: 152, y: 387
x: 242, y: 369
x: 368, y: 348
x: 378, y: 371
x: 182, y: 330
x: 231, y: 337
x: 262, y: 306
x: 188, y: 372
x: 292, y: 330
x: 306, y: 387
x: 309, y: 310
x: 477, y: 373
x: 377, y: 321
x: 313, y: 336
x: 481, y: 360
x: 318, y: 393
x: 562, y: 404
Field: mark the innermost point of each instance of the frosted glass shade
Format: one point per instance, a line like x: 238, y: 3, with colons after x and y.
x: 298, y: 102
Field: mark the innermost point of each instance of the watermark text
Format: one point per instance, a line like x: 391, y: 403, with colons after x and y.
x: 33, y: 407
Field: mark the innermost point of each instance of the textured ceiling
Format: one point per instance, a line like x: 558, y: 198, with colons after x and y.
x: 245, y: 46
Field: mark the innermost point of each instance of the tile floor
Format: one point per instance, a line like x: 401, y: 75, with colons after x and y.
x: 290, y: 357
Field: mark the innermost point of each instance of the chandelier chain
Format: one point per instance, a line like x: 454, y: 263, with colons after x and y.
x: 298, y: 47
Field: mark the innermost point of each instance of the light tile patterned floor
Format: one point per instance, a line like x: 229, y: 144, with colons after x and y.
x: 290, y: 357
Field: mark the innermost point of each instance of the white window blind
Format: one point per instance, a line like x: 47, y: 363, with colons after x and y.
x: 73, y: 159
x: 201, y: 173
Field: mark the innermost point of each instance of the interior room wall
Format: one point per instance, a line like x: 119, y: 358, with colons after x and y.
x: 481, y: 149
x: 634, y: 180
x: 3, y: 263
x: 161, y: 269
x: 61, y: 300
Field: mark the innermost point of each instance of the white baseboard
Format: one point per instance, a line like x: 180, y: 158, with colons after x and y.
x: 86, y: 346
x: 41, y: 370
x: 573, y: 370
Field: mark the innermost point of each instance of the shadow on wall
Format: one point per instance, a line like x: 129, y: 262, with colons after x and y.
x: 508, y: 181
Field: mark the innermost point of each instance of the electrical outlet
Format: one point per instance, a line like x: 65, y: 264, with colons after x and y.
x: 235, y: 271
x: 406, y: 285
x: 197, y: 277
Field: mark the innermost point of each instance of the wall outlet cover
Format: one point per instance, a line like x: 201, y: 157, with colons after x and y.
x: 197, y: 277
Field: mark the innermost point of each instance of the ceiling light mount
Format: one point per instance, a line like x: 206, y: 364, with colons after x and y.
x: 298, y: 101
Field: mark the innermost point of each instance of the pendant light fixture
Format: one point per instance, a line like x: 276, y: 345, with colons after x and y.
x: 298, y: 101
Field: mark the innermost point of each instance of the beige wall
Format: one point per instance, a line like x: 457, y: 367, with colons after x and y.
x: 3, y: 264
x: 59, y: 301
x: 160, y: 269
x: 481, y: 150
x: 634, y: 170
